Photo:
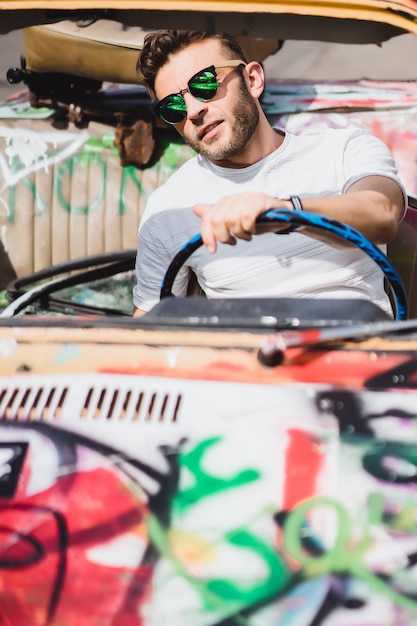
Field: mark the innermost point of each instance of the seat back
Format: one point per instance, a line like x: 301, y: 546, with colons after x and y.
x: 402, y: 252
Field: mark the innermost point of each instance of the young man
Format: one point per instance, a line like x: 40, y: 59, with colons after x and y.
x: 210, y: 93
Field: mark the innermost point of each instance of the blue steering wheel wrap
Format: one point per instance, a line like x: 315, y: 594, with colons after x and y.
x: 295, y: 221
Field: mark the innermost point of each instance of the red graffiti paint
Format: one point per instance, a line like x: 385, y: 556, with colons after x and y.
x: 304, y: 461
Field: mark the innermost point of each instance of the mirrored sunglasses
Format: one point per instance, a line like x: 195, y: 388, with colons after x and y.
x: 203, y: 86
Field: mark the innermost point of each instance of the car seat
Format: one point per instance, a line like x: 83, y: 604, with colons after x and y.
x: 402, y: 252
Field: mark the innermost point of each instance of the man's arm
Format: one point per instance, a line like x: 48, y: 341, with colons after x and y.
x: 373, y: 205
x: 138, y: 312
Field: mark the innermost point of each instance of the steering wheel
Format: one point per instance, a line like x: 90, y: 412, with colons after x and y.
x: 297, y: 220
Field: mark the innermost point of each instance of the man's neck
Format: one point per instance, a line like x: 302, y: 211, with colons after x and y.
x: 261, y: 145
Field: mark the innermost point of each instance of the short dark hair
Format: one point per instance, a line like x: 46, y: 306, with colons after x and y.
x: 158, y: 45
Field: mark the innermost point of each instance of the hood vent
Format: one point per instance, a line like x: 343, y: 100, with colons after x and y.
x: 29, y: 402
x: 130, y: 404
x: 91, y: 399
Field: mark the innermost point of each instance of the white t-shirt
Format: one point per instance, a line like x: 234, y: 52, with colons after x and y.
x: 271, y: 265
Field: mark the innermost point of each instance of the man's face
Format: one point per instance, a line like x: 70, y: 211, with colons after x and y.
x: 220, y: 128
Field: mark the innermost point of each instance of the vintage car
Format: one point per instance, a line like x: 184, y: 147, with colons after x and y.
x: 215, y: 462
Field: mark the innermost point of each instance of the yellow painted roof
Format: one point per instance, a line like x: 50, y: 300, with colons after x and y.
x: 375, y: 20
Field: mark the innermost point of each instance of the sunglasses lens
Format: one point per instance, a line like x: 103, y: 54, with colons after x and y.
x: 172, y: 109
x: 203, y: 85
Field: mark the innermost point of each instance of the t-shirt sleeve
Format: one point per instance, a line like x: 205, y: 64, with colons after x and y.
x: 152, y: 261
x: 366, y: 155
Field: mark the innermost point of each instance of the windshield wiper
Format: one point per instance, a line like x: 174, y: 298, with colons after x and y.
x: 272, y: 351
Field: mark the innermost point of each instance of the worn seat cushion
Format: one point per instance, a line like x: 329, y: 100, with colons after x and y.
x: 103, y: 50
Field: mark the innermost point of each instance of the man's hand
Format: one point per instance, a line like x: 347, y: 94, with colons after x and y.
x: 235, y: 216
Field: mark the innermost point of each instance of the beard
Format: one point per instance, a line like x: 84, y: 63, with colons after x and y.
x: 245, y: 119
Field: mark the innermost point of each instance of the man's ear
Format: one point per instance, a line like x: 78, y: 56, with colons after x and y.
x: 256, y: 78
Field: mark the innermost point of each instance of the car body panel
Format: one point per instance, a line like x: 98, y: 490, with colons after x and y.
x: 175, y: 470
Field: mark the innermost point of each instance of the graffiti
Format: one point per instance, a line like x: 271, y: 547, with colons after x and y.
x: 321, y: 539
x: 69, y: 153
x: 305, y: 514
x: 221, y: 595
x: 29, y: 151
x: 346, y: 556
x: 64, y: 194
x: 204, y: 484
x: 12, y: 455
x: 79, y: 518
x: 384, y: 110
